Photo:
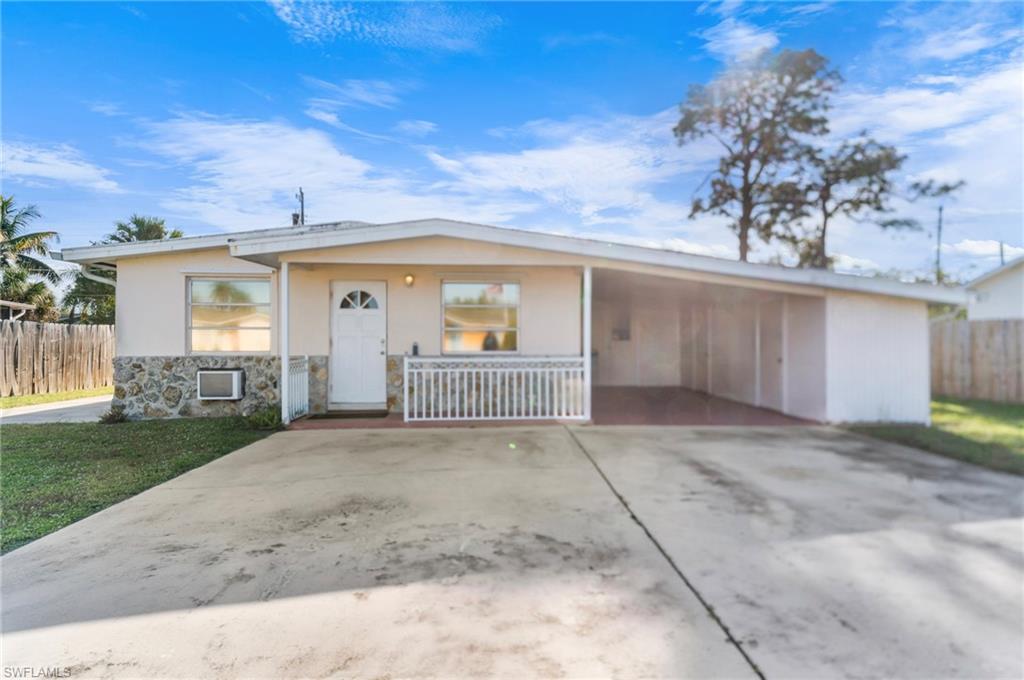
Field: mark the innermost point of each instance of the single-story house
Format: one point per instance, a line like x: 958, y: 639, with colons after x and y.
x: 449, y: 320
x: 998, y: 294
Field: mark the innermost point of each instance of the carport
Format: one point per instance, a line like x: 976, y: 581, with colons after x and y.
x: 673, y: 350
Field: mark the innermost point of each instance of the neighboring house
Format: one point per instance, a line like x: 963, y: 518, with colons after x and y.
x: 472, y: 321
x: 14, y: 310
x: 998, y: 294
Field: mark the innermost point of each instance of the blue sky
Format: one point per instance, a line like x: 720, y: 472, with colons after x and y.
x: 541, y: 116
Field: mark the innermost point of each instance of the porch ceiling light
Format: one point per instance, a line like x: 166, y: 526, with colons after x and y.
x: 409, y: 280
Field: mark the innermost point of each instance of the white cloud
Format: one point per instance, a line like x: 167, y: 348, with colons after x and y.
x: 334, y: 97
x: 734, y: 39
x: 950, y: 31
x: 901, y: 112
x: 968, y: 128
x: 810, y: 8
x: 324, y: 116
x: 985, y: 248
x: 674, y: 243
x: 106, y: 108
x: 262, y: 94
x: 61, y: 163
x: 421, y: 26
x: 957, y: 42
x: 620, y: 177
x: 334, y: 121
x: 416, y: 128
x: 560, y: 40
x: 375, y: 93
x: 601, y: 170
x: 944, y: 79
x: 134, y: 11
x: 853, y: 264
x: 244, y: 173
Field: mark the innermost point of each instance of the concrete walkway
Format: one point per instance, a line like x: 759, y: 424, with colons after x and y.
x: 85, y: 410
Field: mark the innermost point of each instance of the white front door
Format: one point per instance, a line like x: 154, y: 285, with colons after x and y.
x: 359, y: 324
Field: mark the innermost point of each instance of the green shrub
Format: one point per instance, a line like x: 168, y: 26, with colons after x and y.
x: 265, y: 419
x: 114, y: 415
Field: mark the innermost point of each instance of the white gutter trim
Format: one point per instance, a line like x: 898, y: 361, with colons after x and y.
x: 118, y: 250
x: 98, y: 279
x: 597, y: 249
x: 271, y: 242
x: 1002, y: 269
x: 86, y: 254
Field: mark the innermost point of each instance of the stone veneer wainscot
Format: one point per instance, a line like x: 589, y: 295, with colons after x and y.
x: 165, y: 386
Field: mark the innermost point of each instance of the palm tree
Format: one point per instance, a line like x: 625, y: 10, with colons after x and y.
x: 141, y: 228
x: 22, y: 249
x: 16, y: 287
x: 88, y: 300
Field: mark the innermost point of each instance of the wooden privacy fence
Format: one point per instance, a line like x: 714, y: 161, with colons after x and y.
x: 41, y: 358
x: 978, y: 359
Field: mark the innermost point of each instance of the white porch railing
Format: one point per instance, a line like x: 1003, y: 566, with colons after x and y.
x: 494, y: 388
x: 298, y: 387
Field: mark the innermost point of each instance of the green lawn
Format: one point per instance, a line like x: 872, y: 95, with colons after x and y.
x: 32, y: 399
x: 981, y: 432
x: 56, y: 474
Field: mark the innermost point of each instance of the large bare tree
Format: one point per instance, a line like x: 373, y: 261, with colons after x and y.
x: 852, y: 179
x: 765, y: 114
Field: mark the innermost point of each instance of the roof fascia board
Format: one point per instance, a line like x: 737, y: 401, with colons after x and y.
x: 88, y: 254
x: 120, y: 250
x: 264, y: 245
x: 998, y: 271
x: 253, y: 248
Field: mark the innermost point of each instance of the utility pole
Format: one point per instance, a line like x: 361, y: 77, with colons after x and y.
x: 302, y: 206
x: 938, y: 249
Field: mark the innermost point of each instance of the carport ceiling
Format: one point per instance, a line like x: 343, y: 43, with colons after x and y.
x: 613, y: 284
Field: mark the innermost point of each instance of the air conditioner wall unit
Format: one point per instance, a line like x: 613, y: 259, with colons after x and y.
x: 225, y: 384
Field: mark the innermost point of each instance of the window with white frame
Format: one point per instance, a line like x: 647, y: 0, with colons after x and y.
x: 229, y: 315
x: 480, y: 317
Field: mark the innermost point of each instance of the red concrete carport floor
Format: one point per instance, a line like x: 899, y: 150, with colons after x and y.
x: 611, y: 406
x: 677, y: 406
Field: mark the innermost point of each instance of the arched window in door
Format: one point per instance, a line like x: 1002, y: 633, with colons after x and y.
x: 359, y: 299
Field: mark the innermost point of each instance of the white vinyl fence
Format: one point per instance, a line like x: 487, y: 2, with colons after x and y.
x: 493, y: 388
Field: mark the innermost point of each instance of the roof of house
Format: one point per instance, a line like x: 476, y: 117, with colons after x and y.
x: 17, y: 305
x: 265, y: 245
x: 998, y: 271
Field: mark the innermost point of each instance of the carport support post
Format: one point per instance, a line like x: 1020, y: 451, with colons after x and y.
x: 283, y: 344
x: 588, y: 287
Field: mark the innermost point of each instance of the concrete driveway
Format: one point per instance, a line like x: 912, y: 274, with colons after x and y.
x: 830, y: 555
x: 513, y: 552
x: 85, y: 410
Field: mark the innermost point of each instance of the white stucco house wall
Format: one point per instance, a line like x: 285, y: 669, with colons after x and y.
x: 448, y: 320
x: 998, y: 294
